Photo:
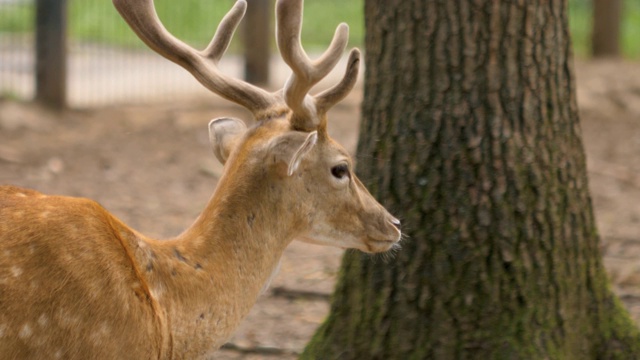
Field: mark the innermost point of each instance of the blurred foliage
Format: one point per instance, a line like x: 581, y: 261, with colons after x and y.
x: 194, y: 21
x: 581, y: 22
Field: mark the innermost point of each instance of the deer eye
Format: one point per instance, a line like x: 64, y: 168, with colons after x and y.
x: 340, y: 171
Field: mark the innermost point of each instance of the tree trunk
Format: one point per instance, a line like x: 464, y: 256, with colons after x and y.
x: 605, y: 38
x: 470, y: 132
x: 51, y: 53
x: 257, y: 42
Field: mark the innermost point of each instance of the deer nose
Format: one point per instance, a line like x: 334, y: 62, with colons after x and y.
x: 396, y: 223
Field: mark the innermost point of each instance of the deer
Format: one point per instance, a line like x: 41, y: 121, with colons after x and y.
x: 77, y: 283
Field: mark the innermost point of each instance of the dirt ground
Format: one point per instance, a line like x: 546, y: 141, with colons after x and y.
x: 152, y: 167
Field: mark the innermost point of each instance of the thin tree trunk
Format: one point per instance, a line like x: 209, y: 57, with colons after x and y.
x: 605, y: 38
x: 51, y: 53
x: 470, y: 130
x: 257, y: 41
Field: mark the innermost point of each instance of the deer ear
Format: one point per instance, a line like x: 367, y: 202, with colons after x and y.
x: 224, y: 134
x: 291, y: 148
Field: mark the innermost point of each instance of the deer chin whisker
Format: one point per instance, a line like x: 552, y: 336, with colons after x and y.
x: 386, y: 257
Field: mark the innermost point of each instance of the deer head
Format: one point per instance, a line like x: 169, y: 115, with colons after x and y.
x: 288, y: 150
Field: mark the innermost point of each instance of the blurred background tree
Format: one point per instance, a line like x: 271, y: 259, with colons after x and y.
x: 605, y: 36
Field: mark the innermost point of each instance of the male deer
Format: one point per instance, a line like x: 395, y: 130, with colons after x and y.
x: 77, y: 283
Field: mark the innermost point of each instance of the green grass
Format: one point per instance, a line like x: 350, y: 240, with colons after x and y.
x: 15, y: 18
x: 631, y: 29
x: 580, y: 26
x: 195, y: 20
x: 581, y: 20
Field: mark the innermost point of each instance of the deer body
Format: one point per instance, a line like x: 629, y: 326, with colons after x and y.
x: 68, y: 285
x: 77, y: 283
x: 182, y: 296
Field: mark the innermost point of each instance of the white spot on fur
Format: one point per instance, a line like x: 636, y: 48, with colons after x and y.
x: 43, y: 320
x: 25, y: 331
x: 156, y: 292
x: 21, y: 194
x: 3, y: 328
x: 57, y: 354
x: 34, y: 285
x: 67, y: 319
x: 104, y: 328
x: 100, y: 333
x: 67, y: 258
x: 16, y: 271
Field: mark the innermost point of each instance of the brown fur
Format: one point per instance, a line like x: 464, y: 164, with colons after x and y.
x: 77, y: 283
x: 64, y: 269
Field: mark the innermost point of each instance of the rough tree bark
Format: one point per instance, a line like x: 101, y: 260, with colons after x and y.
x: 470, y: 131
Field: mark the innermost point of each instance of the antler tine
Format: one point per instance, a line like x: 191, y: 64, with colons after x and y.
x: 306, y: 72
x: 224, y: 33
x: 143, y: 19
x: 326, y: 99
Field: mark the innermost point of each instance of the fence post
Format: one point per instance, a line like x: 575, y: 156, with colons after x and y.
x: 257, y: 41
x: 51, y: 67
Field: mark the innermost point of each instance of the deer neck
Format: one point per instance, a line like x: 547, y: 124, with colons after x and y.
x: 208, y: 278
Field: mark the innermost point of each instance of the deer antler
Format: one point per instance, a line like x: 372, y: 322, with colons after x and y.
x: 143, y: 19
x: 307, y: 111
x: 326, y: 99
x: 307, y: 73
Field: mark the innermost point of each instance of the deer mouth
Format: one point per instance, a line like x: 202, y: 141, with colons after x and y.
x: 383, y: 238
x: 379, y: 246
